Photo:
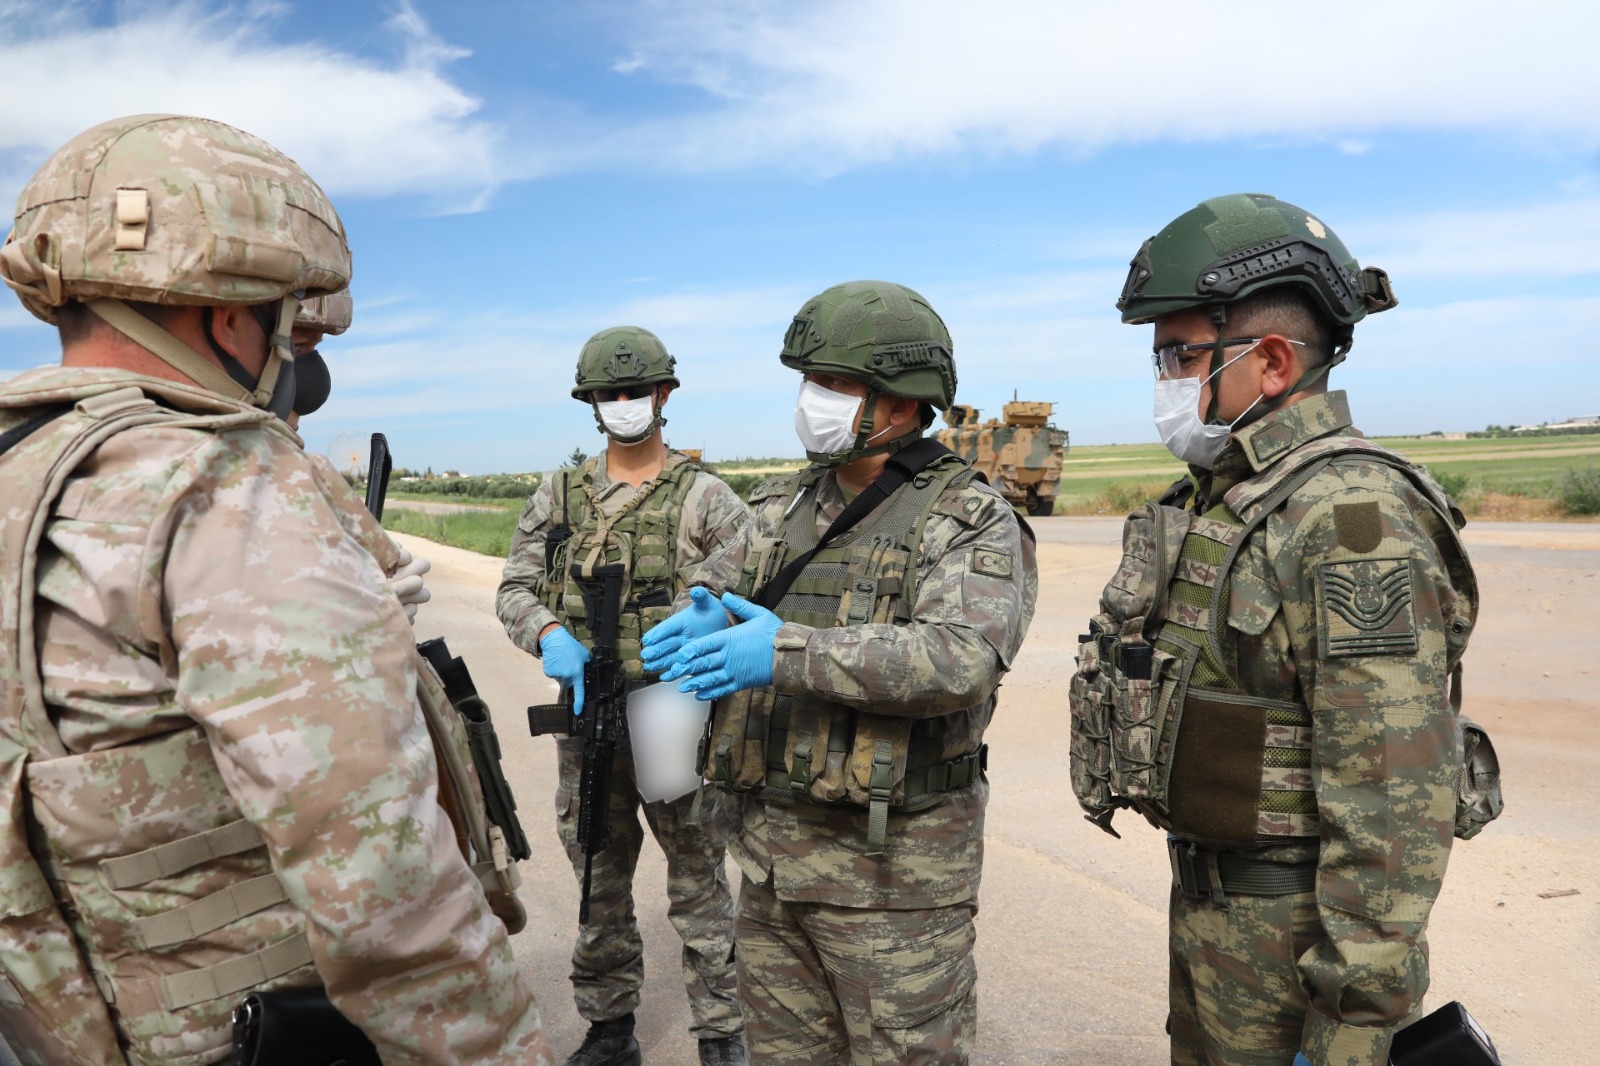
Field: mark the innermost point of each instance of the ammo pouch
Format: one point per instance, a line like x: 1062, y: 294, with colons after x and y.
x: 297, y: 1027
x: 641, y: 536
x: 1125, y: 689
x: 860, y: 571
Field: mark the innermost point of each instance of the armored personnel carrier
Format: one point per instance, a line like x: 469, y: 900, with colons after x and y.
x: 1020, y: 453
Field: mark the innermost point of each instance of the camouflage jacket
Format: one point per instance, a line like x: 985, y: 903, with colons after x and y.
x: 1385, y: 753
x: 220, y: 654
x: 966, y: 627
x: 712, y: 515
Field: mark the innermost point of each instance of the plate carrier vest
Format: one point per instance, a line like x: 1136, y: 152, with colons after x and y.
x: 1153, y: 659
x: 642, y: 536
x: 147, y: 894
x: 806, y: 748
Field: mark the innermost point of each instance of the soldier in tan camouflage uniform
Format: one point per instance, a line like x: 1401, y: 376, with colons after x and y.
x: 1270, y: 676
x: 853, y: 695
x: 649, y: 507
x: 219, y: 773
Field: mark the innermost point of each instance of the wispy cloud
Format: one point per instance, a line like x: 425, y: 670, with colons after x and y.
x: 1553, y: 239
x: 358, y: 124
x: 839, y: 83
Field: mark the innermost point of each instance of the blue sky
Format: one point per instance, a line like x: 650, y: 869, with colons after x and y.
x: 515, y: 177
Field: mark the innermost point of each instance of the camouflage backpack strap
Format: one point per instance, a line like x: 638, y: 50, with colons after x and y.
x: 672, y: 488
x: 948, y: 475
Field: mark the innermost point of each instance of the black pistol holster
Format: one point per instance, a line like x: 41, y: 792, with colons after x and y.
x: 1447, y: 1037
x: 297, y: 1027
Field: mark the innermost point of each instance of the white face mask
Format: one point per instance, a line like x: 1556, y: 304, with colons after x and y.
x: 824, y: 420
x: 628, y: 421
x: 1177, y: 416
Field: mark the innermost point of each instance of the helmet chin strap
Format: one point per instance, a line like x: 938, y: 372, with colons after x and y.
x: 1258, y: 411
x: 235, y: 384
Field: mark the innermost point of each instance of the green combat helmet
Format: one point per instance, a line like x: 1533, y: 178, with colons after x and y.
x: 1234, y: 246
x: 621, y: 356
x: 880, y: 333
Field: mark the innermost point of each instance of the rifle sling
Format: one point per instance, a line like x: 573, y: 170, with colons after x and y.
x: 902, y: 467
x: 17, y: 434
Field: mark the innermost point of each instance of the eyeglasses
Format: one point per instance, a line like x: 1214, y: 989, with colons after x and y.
x: 625, y: 392
x: 1168, y: 360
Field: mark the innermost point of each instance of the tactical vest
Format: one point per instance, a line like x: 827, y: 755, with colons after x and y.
x: 805, y: 747
x: 109, y: 894
x: 1153, y: 661
x: 642, y: 536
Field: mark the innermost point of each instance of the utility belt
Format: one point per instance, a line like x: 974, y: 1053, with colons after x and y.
x: 1201, y: 873
x: 924, y: 787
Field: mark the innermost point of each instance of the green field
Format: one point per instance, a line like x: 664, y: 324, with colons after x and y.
x: 496, y: 502
x: 487, y: 532
x: 1503, y: 477
x: 1526, y: 467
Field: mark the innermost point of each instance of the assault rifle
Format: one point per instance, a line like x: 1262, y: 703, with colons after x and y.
x: 604, y: 716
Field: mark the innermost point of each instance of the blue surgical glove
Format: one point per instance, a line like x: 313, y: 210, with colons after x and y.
x: 1301, y: 1060
x: 703, y: 617
x: 735, y: 659
x: 564, y: 658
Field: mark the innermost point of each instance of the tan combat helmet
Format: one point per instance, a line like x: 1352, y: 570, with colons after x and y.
x: 169, y: 209
x: 329, y: 314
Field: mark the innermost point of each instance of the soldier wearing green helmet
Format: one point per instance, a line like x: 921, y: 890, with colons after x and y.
x: 650, y: 508
x: 853, y: 637
x: 1274, y: 674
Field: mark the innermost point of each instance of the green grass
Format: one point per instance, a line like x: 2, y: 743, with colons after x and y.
x: 497, y: 502
x: 487, y: 532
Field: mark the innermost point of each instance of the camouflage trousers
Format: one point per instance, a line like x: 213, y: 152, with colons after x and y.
x: 830, y: 986
x: 1235, y: 997
x: 608, y: 958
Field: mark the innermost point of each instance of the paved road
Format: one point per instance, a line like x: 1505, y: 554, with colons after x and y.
x: 1072, y: 941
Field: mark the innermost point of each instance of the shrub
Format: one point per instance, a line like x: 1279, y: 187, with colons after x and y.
x: 1578, y: 489
x: 1455, y: 485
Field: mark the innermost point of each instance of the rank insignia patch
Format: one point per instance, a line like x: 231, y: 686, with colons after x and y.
x: 1367, y: 609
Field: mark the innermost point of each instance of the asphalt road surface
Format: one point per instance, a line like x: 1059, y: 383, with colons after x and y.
x: 1071, y: 946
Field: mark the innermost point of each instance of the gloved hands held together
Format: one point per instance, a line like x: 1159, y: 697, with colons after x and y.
x: 732, y: 660
x: 703, y: 617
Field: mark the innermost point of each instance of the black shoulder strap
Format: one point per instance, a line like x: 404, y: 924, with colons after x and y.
x: 904, y: 465
x: 17, y: 434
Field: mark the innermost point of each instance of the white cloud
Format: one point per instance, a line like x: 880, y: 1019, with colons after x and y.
x: 825, y: 86
x: 355, y: 123
x: 1557, y: 238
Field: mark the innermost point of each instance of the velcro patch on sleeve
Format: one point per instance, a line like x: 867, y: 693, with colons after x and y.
x: 1366, y: 608
x: 1359, y: 525
x: 992, y: 562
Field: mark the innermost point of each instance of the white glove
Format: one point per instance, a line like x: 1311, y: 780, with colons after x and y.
x: 407, y: 584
